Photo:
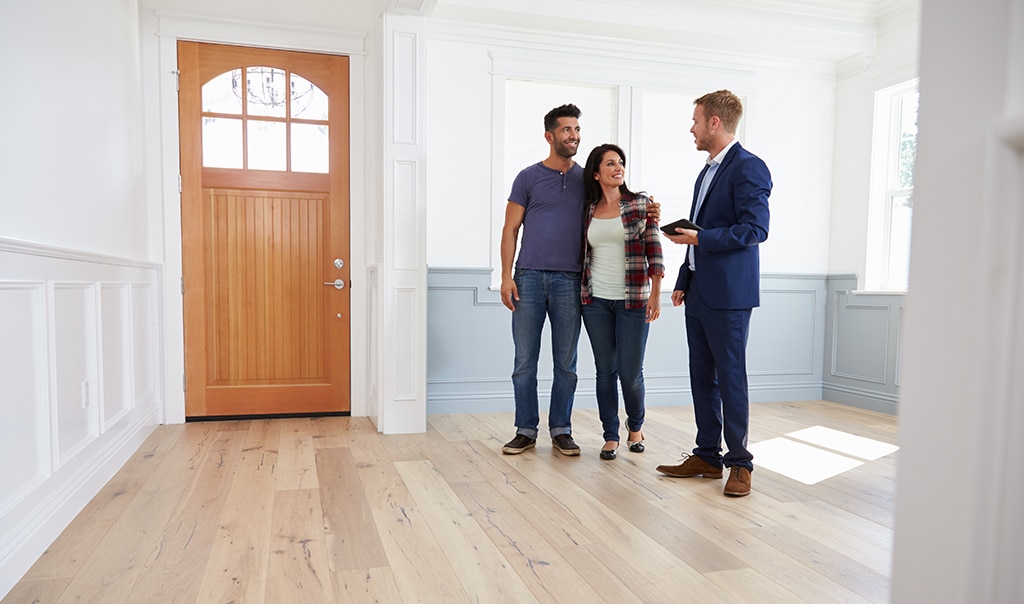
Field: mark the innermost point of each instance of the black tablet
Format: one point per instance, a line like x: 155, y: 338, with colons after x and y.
x: 683, y: 223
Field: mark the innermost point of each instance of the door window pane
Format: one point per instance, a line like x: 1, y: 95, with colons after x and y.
x: 267, y: 145
x: 308, y: 101
x: 310, y: 152
x: 265, y: 91
x: 222, y: 143
x: 222, y: 94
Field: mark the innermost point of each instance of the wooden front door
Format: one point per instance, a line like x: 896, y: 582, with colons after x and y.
x: 265, y: 228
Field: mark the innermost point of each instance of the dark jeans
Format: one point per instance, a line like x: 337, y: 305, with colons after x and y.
x: 618, y: 336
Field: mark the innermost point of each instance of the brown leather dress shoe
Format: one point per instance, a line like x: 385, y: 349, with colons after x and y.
x: 738, y: 484
x: 692, y: 466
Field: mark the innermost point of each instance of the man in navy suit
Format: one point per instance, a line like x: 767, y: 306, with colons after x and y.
x: 719, y: 283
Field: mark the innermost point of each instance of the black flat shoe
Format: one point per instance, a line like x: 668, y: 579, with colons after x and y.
x: 609, y: 453
x: 637, y: 446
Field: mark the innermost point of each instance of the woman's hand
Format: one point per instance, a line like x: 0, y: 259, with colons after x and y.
x: 653, y: 308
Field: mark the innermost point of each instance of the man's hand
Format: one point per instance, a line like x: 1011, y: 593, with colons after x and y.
x: 653, y: 210
x: 678, y: 297
x: 683, y: 236
x: 509, y: 292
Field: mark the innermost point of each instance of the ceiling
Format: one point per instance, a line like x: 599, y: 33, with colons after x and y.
x: 814, y: 30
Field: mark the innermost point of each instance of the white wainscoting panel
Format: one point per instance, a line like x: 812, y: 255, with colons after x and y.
x: 403, y: 239
x: 74, y: 420
x: 406, y: 370
x: 78, y: 382
x: 115, y: 352
x: 23, y: 431
x: 406, y: 99
x: 144, y: 352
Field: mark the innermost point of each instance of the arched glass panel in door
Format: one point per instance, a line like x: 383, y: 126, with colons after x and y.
x: 267, y: 119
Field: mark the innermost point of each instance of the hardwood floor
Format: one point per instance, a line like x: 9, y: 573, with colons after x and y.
x: 328, y: 510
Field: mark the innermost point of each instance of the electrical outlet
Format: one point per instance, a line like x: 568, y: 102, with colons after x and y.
x: 85, y: 394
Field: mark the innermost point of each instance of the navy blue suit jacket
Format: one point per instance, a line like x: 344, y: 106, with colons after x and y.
x: 734, y: 217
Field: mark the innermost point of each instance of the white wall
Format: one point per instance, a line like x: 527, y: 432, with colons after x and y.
x: 892, y: 62
x: 80, y: 385
x: 788, y: 122
x: 70, y: 163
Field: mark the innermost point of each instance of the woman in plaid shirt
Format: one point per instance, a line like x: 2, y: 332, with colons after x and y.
x: 621, y: 291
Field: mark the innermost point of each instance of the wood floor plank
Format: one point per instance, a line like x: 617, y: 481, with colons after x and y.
x: 366, y: 586
x: 851, y: 574
x: 174, y: 571
x: 351, y: 534
x: 236, y: 568
x: 333, y: 432
x: 65, y: 557
x: 296, y: 458
x: 749, y: 585
x: 550, y: 577
x: 298, y: 569
x: 666, y: 572
x: 329, y: 510
x: 40, y: 590
x: 484, y: 573
x: 110, y: 573
x: 718, y: 519
x: 422, y: 572
x: 382, y: 485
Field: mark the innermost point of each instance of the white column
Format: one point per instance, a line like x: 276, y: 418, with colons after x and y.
x: 959, y: 533
x: 401, y: 367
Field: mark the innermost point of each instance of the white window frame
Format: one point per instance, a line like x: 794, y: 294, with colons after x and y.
x: 886, y: 246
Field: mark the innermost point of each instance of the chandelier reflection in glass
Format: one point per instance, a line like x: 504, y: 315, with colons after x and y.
x: 267, y: 88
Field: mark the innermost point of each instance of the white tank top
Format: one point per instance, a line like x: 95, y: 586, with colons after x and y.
x: 606, y: 237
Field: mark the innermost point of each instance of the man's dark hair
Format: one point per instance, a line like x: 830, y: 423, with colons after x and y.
x: 551, y: 119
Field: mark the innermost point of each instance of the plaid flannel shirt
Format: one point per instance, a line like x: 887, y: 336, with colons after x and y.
x: 643, y: 251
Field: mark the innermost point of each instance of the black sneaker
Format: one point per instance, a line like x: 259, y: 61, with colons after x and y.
x: 519, y: 444
x: 565, y: 444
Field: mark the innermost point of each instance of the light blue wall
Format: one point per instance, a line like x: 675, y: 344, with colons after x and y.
x: 810, y: 339
x: 863, y: 345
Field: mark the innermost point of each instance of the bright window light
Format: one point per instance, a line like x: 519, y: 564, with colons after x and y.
x: 801, y: 462
x: 844, y: 442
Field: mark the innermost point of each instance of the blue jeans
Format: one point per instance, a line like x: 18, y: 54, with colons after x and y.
x: 554, y: 295
x: 618, y: 336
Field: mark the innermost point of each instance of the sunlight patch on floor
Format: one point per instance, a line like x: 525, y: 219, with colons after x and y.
x: 799, y: 461
x: 844, y: 442
x: 814, y: 455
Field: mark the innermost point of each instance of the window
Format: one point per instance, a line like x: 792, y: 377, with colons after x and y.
x: 892, y: 200
x: 270, y: 120
x: 526, y: 103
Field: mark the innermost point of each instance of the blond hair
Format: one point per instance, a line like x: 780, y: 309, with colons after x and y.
x: 725, y: 105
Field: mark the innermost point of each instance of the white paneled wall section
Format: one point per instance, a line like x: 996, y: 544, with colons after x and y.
x: 400, y: 378
x: 78, y: 385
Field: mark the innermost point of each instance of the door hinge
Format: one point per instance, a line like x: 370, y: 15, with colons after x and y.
x: 177, y: 79
x: 179, y: 183
x: 184, y: 384
x: 183, y: 285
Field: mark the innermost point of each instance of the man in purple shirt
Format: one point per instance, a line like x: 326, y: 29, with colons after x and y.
x: 547, y: 202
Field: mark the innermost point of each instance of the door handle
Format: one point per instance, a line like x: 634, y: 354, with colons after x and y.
x: 337, y: 283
